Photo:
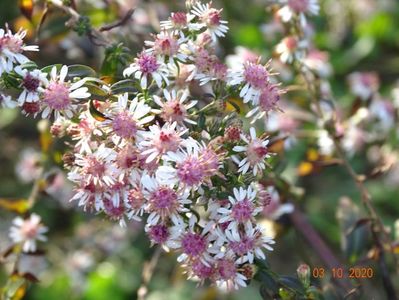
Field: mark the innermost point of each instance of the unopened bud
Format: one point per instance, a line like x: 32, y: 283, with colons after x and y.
x: 303, y: 273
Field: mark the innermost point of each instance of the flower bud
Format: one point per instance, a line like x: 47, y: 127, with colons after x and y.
x: 303, y: 273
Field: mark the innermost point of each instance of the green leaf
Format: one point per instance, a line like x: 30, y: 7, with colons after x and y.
x: 80, y: 71
x: 48, y: 69
x: 124, y: 86
x: 97, y: 93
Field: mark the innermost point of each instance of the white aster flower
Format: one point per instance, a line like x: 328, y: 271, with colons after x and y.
x: 60, y: 96
x: 256, y: 152
x: 27, y: 232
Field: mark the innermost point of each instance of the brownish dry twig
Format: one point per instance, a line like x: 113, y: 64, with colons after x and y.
x: 148, y: 271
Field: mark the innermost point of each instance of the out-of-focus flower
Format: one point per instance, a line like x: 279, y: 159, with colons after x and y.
x: 364, y: 85
x: 318, y: 61
x: 11, y: 48
x: 29, y: 167
x: 6, y: 101
x: 301, y: 8
x: 275, y: 209
x: 27, y: 232
x: 291, y: 48
x: 241, y: 56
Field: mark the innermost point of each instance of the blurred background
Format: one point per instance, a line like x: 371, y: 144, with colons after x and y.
x: 88, y: 257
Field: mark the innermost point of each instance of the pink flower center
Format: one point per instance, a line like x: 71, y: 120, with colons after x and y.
x: 242, y: 211
x: 168, y: 141
x: 166, y: 46
x: 30, y: 83
x: 173, y: 111
x: 56, y: 96
x: 203, y: 60
x: 201, y: 270
x: 29, y: 229
x: 193, y: 244
x: 135, y: 199
x: 290, y: 43
x: 190, y: 171
x: 128, y: 158
x: 124, y: 125
x: 14, y: 44
x: 114, y: 212
x: 256, y: 75
x: 256, y: 153
x: 212, y: 17
x: 164, y: 201
x: 147, y: 62
x: 159, y: 234
x: 299, y: 6
x: 226, y: 269
x: 210, y: 162
x: 242, y: 247
x: 95, y: 167
x: 179, y: 19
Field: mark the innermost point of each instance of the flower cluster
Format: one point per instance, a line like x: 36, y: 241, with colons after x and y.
x: 183, y: 163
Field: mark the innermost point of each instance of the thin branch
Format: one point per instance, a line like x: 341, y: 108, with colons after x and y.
x: 148, y: 271
x: 119, y: 23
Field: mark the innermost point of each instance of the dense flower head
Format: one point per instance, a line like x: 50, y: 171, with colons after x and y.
x: 158, y: 146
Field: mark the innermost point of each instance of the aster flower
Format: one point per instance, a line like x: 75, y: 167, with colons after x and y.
x: 272, y: 206
x: 199, y: 271
x: 178, y: 22
x: 160, y: 140
x: 88, y: 194
x: 256, y: 152
x: 147, y: 67
x: 83, y: 132
x: 60, y: 95
x: 227, y: 274
x: 136, y: 202
x: 211, y: 19
x: 96, y: 167
x: 248, y: 244
x: 27, y: 232
x: 6, y: 101
x: 253, y: 77
x: 159, y: 234
x: 298, y: 7
x: 268, y: 101
x: 291, y: 48
x: 241, y: 210
x: 11, y: 48
x: 163, y: 201
x: 167, y: 46
x: 192, y: 167
x: 364, y: 85
x: 174, y: 109
x: 32, y: 84
x: 29, y: 165
x: 193, y: 244
x: 126, y: 119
